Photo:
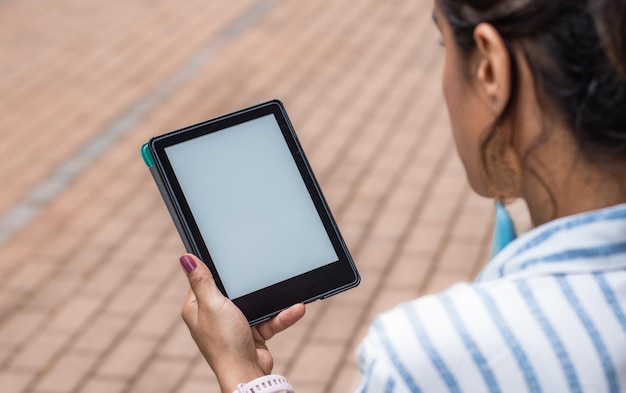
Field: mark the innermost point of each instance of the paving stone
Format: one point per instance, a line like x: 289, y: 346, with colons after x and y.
x: 126, y: 357
x: 5, y: 352
x: 200, y: 370
x: 337, y: 324
x: 460, y: 256
x: 315, y: 364
x: 152, y: 322
x: 101, y: 385
x: 105, y: 280
x: 443, y: 280
x: 40, y: 350
x: 425, y: 238
x: 66, y: 373
x: 465, y: 227
x: 179, y: 344
x: 160, y: 375
x: 198, y: 386
x: 53, y: 293
x: 133, y: 297
x: 74, y: 314
x: 376, y: 253
x: 15, y: 381
x: 17, y: 329
x: 388, y: 299
x: 409, y: 270
x: 360, y: 296
x: 100, y: 334
x: 12, y: 254
x: 347, y: 381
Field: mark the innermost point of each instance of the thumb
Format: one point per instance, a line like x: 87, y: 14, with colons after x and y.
x: 199, y: 276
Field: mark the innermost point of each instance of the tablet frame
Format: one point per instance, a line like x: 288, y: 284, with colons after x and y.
x: 262, y: 304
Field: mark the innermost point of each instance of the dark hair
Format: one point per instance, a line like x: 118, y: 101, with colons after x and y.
x: 566, y: 53
x: 610, y: 16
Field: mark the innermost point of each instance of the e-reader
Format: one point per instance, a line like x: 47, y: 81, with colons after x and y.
x: 244, y: 199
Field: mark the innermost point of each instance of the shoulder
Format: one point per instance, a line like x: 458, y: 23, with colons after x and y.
x: 549, y: 333
x: 426, y: 342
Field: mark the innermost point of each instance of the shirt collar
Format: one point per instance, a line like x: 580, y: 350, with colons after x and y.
x: 587, y: 242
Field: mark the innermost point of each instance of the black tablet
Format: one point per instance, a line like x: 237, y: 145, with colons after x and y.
x: 244, y: 199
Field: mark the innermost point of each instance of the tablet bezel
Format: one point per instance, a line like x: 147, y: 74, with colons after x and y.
x: 307, y: 287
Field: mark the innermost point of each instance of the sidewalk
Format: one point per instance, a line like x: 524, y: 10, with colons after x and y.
x: 90, y: 287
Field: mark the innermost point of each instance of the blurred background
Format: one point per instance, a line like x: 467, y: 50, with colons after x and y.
x: 90, y: 286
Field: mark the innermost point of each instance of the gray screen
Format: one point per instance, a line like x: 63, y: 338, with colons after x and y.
x: 251, y: 205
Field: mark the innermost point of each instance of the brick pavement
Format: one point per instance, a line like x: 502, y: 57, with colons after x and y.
x: 90, y: 288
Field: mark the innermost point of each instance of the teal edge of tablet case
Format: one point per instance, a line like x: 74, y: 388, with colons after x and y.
x: 147, y: 155
x: 148, y: 159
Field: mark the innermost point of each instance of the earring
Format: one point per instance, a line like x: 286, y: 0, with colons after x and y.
x: 504, y: 230
x: 501, y: 168
x: 502, y: 173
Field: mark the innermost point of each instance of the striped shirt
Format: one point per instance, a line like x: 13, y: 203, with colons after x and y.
x: 547, y: 314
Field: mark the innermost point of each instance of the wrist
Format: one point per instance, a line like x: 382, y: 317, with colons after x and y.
x: 232, y: 377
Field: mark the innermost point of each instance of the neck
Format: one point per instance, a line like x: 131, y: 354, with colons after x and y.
x: 581, y: 188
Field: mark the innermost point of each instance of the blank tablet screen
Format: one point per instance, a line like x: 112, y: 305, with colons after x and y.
x: 251, y: 205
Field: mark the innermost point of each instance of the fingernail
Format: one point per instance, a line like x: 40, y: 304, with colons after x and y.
x: 188, y: 263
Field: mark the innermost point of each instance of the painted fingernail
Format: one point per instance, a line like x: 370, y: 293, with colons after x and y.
x: 188, y: 263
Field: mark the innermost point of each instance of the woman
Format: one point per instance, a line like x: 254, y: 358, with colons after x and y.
x: 537, y: 106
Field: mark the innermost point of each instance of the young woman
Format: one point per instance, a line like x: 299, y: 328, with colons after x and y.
x: 536, y: 93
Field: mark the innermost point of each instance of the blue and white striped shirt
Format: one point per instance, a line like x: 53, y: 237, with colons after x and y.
x: 548, y: 314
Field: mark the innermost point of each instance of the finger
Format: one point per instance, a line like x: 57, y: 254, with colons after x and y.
x: 282, y: 321
x: 199, y: 276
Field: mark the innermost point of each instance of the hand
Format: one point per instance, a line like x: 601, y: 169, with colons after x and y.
x: 235, y: 352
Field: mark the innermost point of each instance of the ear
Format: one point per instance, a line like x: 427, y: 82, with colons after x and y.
x: 493, y: 71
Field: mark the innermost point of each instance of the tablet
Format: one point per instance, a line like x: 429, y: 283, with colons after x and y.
x: 244, y: 199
